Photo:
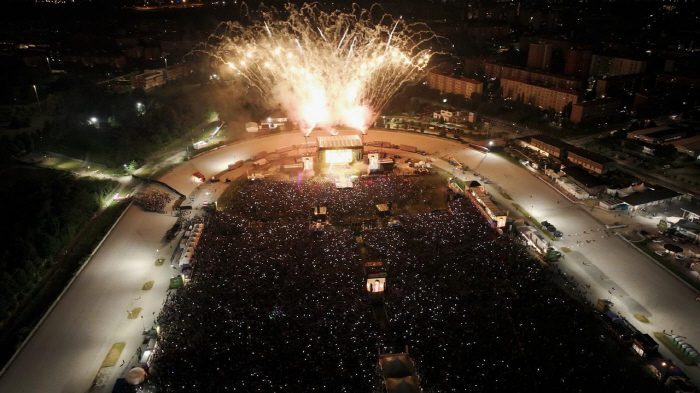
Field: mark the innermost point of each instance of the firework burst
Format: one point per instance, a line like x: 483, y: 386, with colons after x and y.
x: 325, y: 69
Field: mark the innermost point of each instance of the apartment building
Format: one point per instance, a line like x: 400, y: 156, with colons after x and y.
x: 499, y: 70
x: 542, y: 96
x: 595, y: 111
x: 602, y: 65
x: 454, y: 85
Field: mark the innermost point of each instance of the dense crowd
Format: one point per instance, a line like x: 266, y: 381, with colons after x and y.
x: 294, y: 201
x: 276, y: 307
x: 478, y: 313
x: 153, y: 200
x: 272, y: 308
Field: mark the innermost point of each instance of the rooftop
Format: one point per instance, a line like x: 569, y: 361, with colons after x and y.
x: 693, y: 207
x: 447, y: 74
x: 339, y: 142
x: 645, y: 131
x: 693, y: 142
x: 582, y: 176
x: 581, y: 152
x: 551, y: 141
x: 689, y: 226
x: 663, y: 133
x: 569, y: 78
x: 554, y: 88
x: 600, y: 101
x: 654, y: 193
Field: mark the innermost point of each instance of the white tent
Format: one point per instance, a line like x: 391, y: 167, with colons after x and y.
x: 200, y: 145
x: 626, y: 192
x: 639, y: 187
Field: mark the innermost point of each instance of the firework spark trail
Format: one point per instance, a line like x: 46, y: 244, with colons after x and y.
x: 343, y: 39
x: 390, y: 35
x: 322, y: 83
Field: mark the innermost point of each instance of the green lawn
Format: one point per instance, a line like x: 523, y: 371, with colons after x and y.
x: 666, y: 341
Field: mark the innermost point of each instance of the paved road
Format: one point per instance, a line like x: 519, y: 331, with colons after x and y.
x: 65, y: 353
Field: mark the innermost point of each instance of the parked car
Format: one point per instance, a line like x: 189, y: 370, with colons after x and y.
x: 558, y: 234
x: 545, y: 223
x: 660, y: 253
x: 658, y: 240
x: 408, y: 160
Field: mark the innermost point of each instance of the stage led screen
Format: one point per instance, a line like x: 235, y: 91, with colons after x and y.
x: 376, y: 285
x: 338, y: 156
x: 374, y: 161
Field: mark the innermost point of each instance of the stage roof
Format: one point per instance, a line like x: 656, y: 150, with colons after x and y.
x: 340, y: 142
x: 396, y: 366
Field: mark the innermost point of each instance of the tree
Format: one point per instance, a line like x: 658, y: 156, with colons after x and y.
x: 443, y: 133
x: 566, y: 111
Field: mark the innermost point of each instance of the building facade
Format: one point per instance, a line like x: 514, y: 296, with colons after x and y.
x: 539, y: 57
x: 454, y: 85
x: 542, y: 96
x: 577, y: 62
x: 590, y: 161
x: 499, y: 70
x: 620, y: 86
x: 612, y: 66
x: 595, y: 111
x: 147, y: 80
x: 550, y: 146
x: 487, y: 30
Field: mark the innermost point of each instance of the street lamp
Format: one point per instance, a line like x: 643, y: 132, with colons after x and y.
x: 490, y: 143
x: 49, y: 63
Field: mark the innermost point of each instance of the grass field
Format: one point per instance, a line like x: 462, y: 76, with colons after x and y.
x: 666, y: 341
x: 76, y: 165
x: 134, y: 313
x: 641, y: 318
x: 113, y: 355
x: 64, y: 163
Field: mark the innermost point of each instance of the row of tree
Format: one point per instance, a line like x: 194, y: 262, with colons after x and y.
x: 44, y: 210
x: 114, y: 129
